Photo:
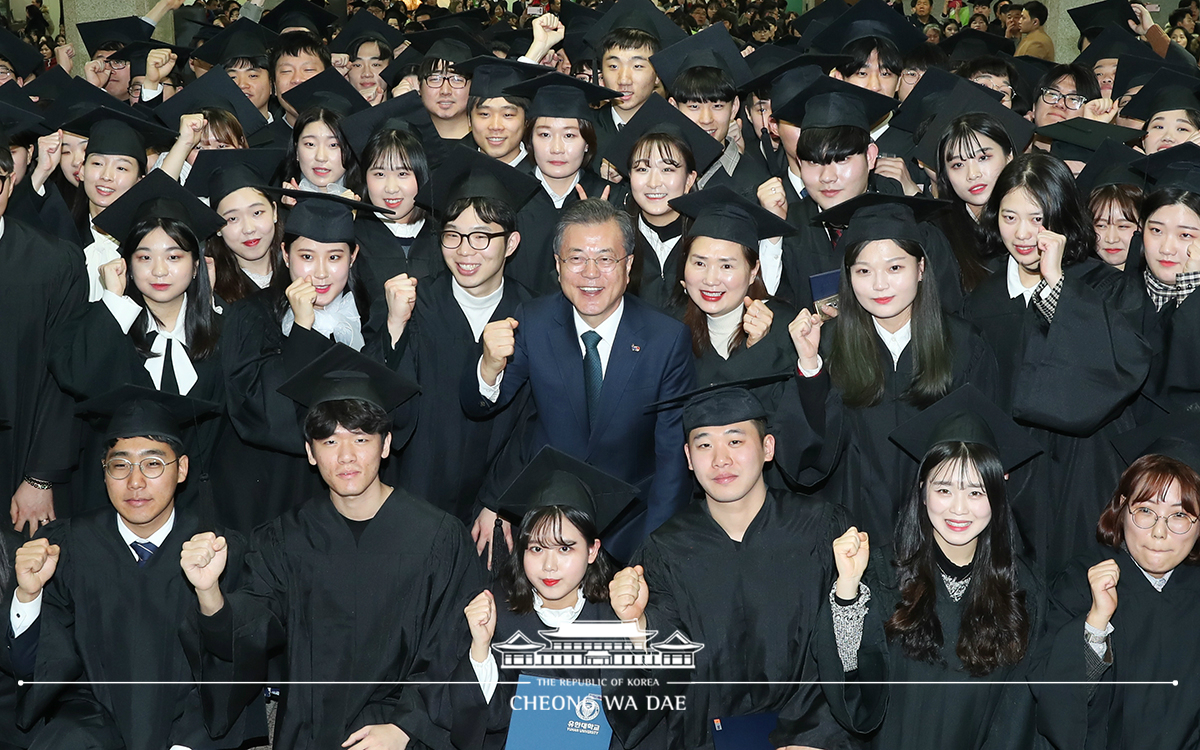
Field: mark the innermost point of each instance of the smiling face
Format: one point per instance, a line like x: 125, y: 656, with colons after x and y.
x: 1021, y: 218
x: 1166, y: 129
x: 657, y: 176
x: 558, y: 146
x: 838, y: 181
x: 713, y: 117
x: 630, y: 72
x: 594, y: 292
x: 958, y: 508
x: 717, y: 275
x: 884, y: 278
x: 1169, y: 232
x: 319, y: 153
x: 1157, y: 549
x: 728, y: 459
x: 478, y: 271
x: 328, y: 263
x: 444, y: 102
x: 555, y: 563
x: 106, y: 178
x: 498, y: 125
x: 249, y: 223
x: 349, y: 460
x: 1114, y: 232
x: 392, y: 184
x: 161, y: 270
x: 973, y: 169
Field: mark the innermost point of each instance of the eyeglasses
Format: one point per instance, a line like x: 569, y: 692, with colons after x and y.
x: 605, y: 263
x: 435, y: 81
x: 117, y: 64
x: 1177, y: 523
x: 1005, y: 91
x: 477, y: 240
x: 135, y: 89
x: 1053, y: 97
x: 6, y: 74
x: 151, y: 468
x: 911, y: 75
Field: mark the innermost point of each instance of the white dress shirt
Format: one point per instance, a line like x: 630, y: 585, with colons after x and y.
x: 557, y: 199
x: 661, y: 248
x: 126, y: 312
x: 405, y: 231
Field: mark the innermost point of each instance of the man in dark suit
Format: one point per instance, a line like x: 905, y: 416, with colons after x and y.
x: 595, y: 359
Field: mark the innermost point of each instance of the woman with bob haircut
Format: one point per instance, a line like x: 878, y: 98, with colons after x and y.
x: 1066, y: 327
x: 950, y: 602
x: 1120, y: 616
x: 1116, y: 216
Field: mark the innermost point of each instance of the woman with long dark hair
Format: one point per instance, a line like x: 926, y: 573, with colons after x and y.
x: 1065, y: 326
x: 892, y: 352
x: 951, y: 601
x: 319, y: 158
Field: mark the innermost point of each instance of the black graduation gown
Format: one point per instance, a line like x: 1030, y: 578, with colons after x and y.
x: 654, y: 282
x: 533, y: 262
x: 104, y: 619
x: 11, y: 738
x: 774, y: 354
x: 90, y: 356
x: 851, y: 457
x: 381, y: 255
x: 754, y: 605
x: 1070, y: 383
x: 1174, y: 380
x: 383, y: 611
x: 48, y: 290
x: 1151, y: 642
x: 435, y: 350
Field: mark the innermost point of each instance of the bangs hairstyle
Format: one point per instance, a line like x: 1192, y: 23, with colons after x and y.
x: 925, y: 56
x: 475, y: 102
x: 625, y: 39
x: 296, y: 43
x: 431, y: 65
x: 704, y: 85
x: 489, y: 211
x: 994, y: 631
x: 258, y: 62
x: 1191, y: 115
x: 385, y: 52
x: 587, y: 131
x: 696, y: 319
x: 961, y: 139
x: 827, y: 145
x: 544, y: 526
x: 669, y: 147
x: 860, y: 53
x: 332, y: 120
x: 391, y: 149
x: 989, y: 65
x: 353, y: 414
x: 1126, y: 199
x: 1085, y: 80
x: 1052, y: 186
x: 1147, y: 481
x: 1169, y: 197
x: 201, y: 324
x: 224, y: 127
x: 854, y: 365
x: 232, y: 283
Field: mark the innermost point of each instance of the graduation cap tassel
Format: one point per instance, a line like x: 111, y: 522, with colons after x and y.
x: 499, y: 550
x: 775, y: 164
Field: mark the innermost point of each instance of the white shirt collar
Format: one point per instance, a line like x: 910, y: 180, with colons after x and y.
x: 662, y: 248
x: 616, y: 118
x: 797, y: 183
x: 157, y: 538
x: 405, y: 231
x: 557, y: 199
x: 556, y: 618
x: 1158, y: 583
x: 1015, y: 287
x: 895, y: 342
x: 607, y: 329
x: 520, y: 157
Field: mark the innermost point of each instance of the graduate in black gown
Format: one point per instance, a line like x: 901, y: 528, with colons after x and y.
x: 1119, y: 618
x: 365, y: 583
x: 13, y: 737
x: 100, y: 597
x: 891, y: 353
x: 743, y: 571
x: 562, y: 144
x: 154, y: 326
x: 433, y: 330
x: 951, y: 601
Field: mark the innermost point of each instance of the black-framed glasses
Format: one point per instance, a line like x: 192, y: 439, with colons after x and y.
x: 117, y: 64
x: 135, y: 89
x: 435, y: 80
x: 151, y: 468
x: 578, y: 261
x: 1072, y: 101
x: 452, y: 240
x: 1177, y: 523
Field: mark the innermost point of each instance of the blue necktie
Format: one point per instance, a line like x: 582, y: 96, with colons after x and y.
x: 143, y: 550
x: 593, y: 375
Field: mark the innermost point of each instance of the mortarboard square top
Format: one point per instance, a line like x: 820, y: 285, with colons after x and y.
x: 329, y: 90
x: 556, y: 478
x: 126, y: 30
x: 641, y: 15
x: 134, y: 411
x: 214, y: 90
x: 830, y: 103
x: 1166, y: 90
x: 721, y: 213
x: 218, y: 172
x: 558, y: 95
x: 157, y: 195
x: 467, y: 173
x: 24, y: 58
x: 711, y: 48
x: 869, y: 18
x: 241, y: 39
x: 656, y: 116
x: 323, y: 217
x: 342, y: 374
x: 491, y: 75
x: 875, y: 216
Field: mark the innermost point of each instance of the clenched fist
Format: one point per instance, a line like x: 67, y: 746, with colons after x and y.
x: 1102, y: 579
x: 850, y: 552
x: 203, y: 561
x: 629, y: 594
x: 499, y: 342
x: 756, y: 321
x: 481, y: 619
x: 36, y: 562
x: 401, y: 294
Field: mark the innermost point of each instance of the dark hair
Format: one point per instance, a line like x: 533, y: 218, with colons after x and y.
x: 232, y: 283
x: 992, y: 65
x: 1085, y: 81
x: 665, y: 144
x: 854, y: 356
x: 170, y: 442
x: 860, y: 53
x: 391, y: 146
x: 353, y: 414
x: 1169, y: 196
x: 544, y: 524
x: 971, y: 20
x: 332, y: 119
x: 475, y: 102
x: 258, y: 62
x: 1145, y: 481
x: 201, y: 324
x: 587, y: 131
x: 1037, y: 11
x: 489, y: 211
x: 591, y: 212
x: 1126, y: 198
x: 994, y: 630
x: 696, y: 319
x: 1177, y: 15
x: 703, y: 84
x: 224, y: 126
x: 1050, y: 183
x: 628, y: 39
x: 827, y: 145
x: 7, y: 165
x: 295, y: 43
x: 925, y: 56
x: 385, y: 50
x: 1192, y: 115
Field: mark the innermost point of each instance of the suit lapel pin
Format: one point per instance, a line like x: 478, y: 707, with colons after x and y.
x: 635, y: 348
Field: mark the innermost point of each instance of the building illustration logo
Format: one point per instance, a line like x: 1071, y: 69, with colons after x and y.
x: 598, y: 645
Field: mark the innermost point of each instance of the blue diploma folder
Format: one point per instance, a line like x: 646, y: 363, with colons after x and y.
x: 744, y: 732
x: 557, y: 713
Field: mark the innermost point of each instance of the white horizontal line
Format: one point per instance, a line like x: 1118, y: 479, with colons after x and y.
x: 1172, y: 683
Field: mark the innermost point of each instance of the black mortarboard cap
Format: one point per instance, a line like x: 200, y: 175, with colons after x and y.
x: 451, y: 44
x: 490, y: 75
x: 25, y: 58
x: 1103, y: 13
x: 329, y: 90
x: 1175, y: 435
x: 576, y: 45
x: 722, y: 406
x: 636, y: 14
x: 875, y: 216
x: 1029, y: 73
x: 408, y: 61
x: 656, y: 116
x: 17, y: 114
x: 1078, y: 138
x: 124, y: 30
x: 829, y: 103
x: 869, y: 18
x: 1178, y: 166
x: 156, y: 194
x: 217, y: 90
x: 971, y: 98
x: 77, y: 98
x: 404, y: 112
x: 826, y: 11
x: 969, y: 44
x: 966, y: 416
x: 1112, y: 43
x: 241, y: 39
x: 1110, y: 165
x: 929, y: 97
x: 573, y: 13
x: 787, y: 85
x: 558, y: 95
x: 134, y: 411
x: 1166, y: 90
x: 721, y: 213
x: 364, y: 26
x: 49, y: 86
x: 323, y: 217
x: 135, y: 54
x: 472, y: 21
x: 1135, y: 70
x: 218, y: 172
x: 467, y: 173
x: 291, y: 13
x: 711, y: 48
x: 518, y: 40
x: 556, y: 478
x: 342, y: 374
x: 118, y: 132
